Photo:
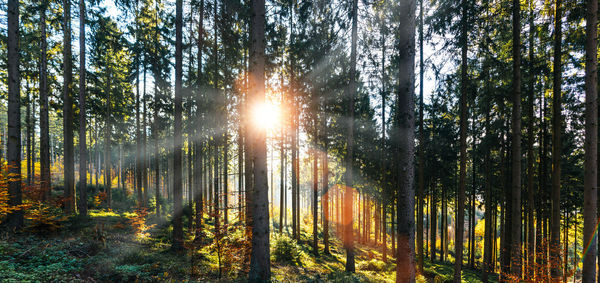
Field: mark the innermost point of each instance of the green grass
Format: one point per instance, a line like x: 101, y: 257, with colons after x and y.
x: 104, y: 247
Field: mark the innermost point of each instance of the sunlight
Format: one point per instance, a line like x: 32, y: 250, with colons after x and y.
x: 266, y: 115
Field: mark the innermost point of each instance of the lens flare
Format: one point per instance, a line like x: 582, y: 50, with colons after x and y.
x: 266, y: 115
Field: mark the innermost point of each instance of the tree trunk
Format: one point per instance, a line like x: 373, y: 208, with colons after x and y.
x: 69, y: 168
x: 556, y: 147
x: 531, y: 251
x: 13, y: 148
x: 315, y: 205
x: 405, y: 261
x: 260, y: 267
x: 460, y: 213
x: 516, y: 144
x: 348, y: 192
x: 433, y: 221
x: 421, y: 153
x: 45, y: 181
x: 590, y: 210
x: 325, y: 200
x: 177, y: 139
x: 198, y: 132
x: 82, y: 116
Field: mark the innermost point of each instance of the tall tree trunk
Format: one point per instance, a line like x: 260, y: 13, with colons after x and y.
x: 177, y: 139
x: 405, y: 261
x: 531, y: 251
x: 348, y: 194
x: 556, y: 147
x: 460, y: 213
x: 325, y: 200
x: 315, y: 195
x: 260, y: 267
x: 82, y: 116
x: 145, y: 159
x: 69, y: 168
x: 198, y: 131
x: 421, y: 153
x: 433, y: 217
x: 29, y: 129
x: 13, y: 147
x: 516, y: 144
x: 590, y: 210
x: 107, y: 140
x: 45, y: 181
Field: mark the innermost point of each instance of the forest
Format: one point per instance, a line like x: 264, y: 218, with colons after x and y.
x: 299, y: 141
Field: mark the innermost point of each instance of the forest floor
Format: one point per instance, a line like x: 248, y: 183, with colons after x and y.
x: 125, y: 246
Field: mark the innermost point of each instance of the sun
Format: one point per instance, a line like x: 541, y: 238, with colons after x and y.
x: 266, y: 115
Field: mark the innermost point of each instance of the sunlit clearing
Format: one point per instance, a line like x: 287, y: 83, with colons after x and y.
x: 266, y: 115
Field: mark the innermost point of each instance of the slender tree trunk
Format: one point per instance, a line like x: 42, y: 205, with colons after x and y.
x: 516, y: 144
x: 13, y: 147
x: 177, y: 139
x: 421, y: 147
x: 556, y: 147
x: 531, y: 251
x: 198, y: 156
x: 348, y: 194
x: 82, y: 116
x: 405, y: 261
x: 315, y: 195
x: 260, y: 267
x: 69, y: 171
x: 325, y: 200
x: 45, y: 181
x: 28, y: 131
x: 107, y: 141
x: 433, y: 217
x: 460, y: 213
x: 590, y: 210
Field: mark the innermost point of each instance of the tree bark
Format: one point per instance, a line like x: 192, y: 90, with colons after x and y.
x: 348, y: 192
x: 421, y: 153
x: 260, y: 267
x: 460, y: 213
x: 516, y: 143
x: 45, y: 181
x: 590, y: 210
x: 82, y: 116
x: 555, y: 258
x: 325, y: 200
x: 405, y: 261
x: 69, y: 168
x: 177, y: 139
x: 15, y: 218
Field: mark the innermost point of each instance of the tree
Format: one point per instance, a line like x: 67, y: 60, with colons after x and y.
x: 460, y: 198
x: 82, y: 205
x: 69, y: 169
x: 405, y: 262
x: 260, y: 267
x: 590, y: 180
x: 15, y: 219
x: 45, y: 181
x: 421, y: 152
x: 555, y: 258
x: 177, y: 187
x: 516, y: 143
x: 348, y: 193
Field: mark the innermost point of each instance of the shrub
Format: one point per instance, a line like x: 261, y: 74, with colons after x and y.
x: 371, y: 265
x: 286, y: 250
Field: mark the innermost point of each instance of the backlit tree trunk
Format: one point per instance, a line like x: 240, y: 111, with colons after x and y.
x: 405, y: 261
x: 260, y: 266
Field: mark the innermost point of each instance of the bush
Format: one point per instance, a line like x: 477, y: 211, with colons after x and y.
x: 371, y: 265
x: 285, y: 250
